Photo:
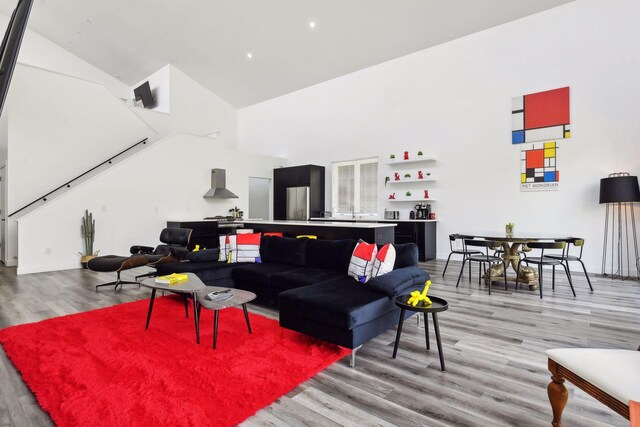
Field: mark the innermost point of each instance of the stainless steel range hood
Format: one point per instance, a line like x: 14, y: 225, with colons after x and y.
x: 219, y: 186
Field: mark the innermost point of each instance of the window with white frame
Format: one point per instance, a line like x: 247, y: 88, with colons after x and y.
x: 355, y: 187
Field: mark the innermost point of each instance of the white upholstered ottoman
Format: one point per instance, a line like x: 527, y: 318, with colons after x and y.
x: 612, y: 376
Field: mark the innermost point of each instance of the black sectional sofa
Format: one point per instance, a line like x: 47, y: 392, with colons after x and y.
x: 306, y: 279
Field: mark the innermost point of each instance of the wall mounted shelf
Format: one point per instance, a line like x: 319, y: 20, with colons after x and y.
x: 412, y: 199
x: 410, y: 161
x: 410, y: 180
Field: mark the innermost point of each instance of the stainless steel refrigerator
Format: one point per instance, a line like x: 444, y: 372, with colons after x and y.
x: 298, y: 203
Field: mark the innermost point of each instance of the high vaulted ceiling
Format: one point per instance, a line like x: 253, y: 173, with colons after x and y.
x: 210, y: 39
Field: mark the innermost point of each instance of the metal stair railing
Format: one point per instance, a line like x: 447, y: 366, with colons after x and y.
x: 68, y: 183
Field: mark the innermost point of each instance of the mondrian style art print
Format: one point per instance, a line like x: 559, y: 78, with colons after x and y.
x: 541, y: 116
x: 539, y: 167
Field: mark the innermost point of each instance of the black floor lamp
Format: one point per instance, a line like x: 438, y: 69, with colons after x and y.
x: 620, y: 191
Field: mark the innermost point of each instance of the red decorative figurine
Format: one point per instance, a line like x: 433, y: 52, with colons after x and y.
x: 396, y: 176
x: 426, y: 194
x: 406, y: 155
x: 420, y: 176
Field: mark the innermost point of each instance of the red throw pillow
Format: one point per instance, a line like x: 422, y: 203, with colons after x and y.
x: 634, y: 413
x: 247, y: 248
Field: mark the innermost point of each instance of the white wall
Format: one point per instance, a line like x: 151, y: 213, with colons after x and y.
x: 4, y: 139
x: 160, y: 85
x: 40, y: 52
x: 131, y: 209
x: 59, y: 127
x: 197, y: 110
x: 194, y: 109
x: 453, y: 101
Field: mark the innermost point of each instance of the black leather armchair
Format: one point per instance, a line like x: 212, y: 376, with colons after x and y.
x: 173, y: 248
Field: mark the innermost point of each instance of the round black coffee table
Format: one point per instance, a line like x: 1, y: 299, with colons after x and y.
x: 437, y: 305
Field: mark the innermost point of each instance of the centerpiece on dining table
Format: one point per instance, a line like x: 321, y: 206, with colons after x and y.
x: 508, y: 229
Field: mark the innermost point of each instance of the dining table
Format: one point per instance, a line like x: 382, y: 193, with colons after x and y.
x: 511, y: 244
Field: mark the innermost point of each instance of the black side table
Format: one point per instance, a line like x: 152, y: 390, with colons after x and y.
x: 437, y: 305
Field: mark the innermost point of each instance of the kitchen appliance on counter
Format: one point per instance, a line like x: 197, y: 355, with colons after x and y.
x: 391, y: 214
x: 422, y: 211
x: 298, y: 203
x: 227, y: 221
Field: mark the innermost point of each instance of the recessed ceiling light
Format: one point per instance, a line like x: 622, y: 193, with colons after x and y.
x: 312, y: 24
x: 249, y: 55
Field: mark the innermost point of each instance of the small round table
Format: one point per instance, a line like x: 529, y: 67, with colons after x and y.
x: 239, y: 297
x: 437, y: 305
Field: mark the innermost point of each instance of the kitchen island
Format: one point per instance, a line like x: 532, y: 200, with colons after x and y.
x: 422, y: 232
x: 379, y: 233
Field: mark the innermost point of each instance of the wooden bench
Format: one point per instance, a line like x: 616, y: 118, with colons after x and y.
x: 611, y: 376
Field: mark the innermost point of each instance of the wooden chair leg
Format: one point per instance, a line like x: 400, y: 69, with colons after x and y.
x: 558, y: 394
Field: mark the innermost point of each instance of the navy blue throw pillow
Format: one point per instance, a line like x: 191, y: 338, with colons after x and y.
x: 204, y: 255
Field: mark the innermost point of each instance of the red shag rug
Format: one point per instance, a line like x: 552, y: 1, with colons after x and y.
x: 101, y: 368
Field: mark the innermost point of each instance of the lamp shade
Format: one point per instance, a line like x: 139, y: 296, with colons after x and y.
x: 619, y: 189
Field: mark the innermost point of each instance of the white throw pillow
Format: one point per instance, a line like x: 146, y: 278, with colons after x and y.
x: 361, y: 264
x: 385, y: 259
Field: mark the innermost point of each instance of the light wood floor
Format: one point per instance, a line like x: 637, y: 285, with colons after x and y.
x: 494, y: 350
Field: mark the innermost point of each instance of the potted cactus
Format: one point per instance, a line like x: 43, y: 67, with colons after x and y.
x: 88, y: 229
